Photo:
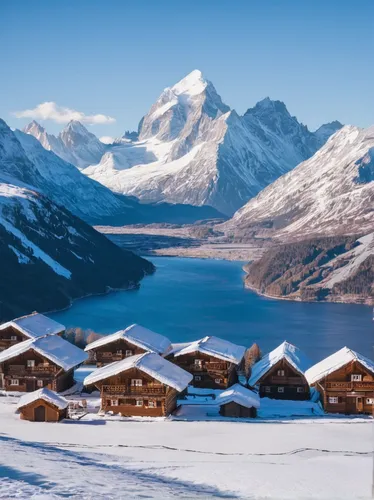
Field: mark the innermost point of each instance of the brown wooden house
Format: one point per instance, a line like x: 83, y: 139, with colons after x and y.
x: 43, y: 405
x: 32, y: 326
x: 133, y: 340
x: 36, y: 363
x: 280, y: 374
x: 238, y: 402
x: 141, y: 385
x: 212, y: 361
x: 345, y: 382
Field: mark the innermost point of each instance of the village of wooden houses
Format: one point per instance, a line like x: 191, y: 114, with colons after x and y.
x: 136, y: 372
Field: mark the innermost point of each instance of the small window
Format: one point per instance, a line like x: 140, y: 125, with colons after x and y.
x: 217, y: 380
x: 280, y: 389
x: 13, y: 337
x: 114, y: 402
x: 39, y: 383
x: 356, y: 378
x: 199, y: 362
x: 136, y: 382
x: 280, y: 373
x: 139, y: 402
x: 333, y: 400
x: 30, y: 363
x: 14, y: 381
x: 128, y: 352
x: 152, y: 403
x: 300, y: 389
x: 267, y: 389
x: 197, y: 378
x: 369, y: 401
x: 119, y: 352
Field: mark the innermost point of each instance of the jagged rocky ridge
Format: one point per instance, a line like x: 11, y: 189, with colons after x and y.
x: 49, y: 256
x: 192, y: 149
x: 75, y: 144
x: 339, y: 269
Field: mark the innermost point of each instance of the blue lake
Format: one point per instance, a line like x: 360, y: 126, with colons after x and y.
x: 189, y: 298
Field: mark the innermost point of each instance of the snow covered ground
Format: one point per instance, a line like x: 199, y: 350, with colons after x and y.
x: 109, y: 457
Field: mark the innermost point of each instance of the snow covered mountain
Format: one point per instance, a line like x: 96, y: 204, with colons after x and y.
x: 23, y: 159
x: 49, y: 256
x: 331, y: 193
x: 75, y: 144
x: 193, y: 149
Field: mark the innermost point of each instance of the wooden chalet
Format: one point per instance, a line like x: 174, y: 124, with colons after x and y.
x: 345, y: 381
x: 141, y: 385
x: 42, y: 362
x: 238, y: 402
x: 212, y: 361
x: 43, y: 405
x: 133, y: 340
x: 28, y: 327
x: 280, y: 374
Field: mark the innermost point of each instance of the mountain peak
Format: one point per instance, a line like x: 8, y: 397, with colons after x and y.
x: 76, y: 127
x: 33, y: 126
x: 268, y: 105
x: 192, y: 84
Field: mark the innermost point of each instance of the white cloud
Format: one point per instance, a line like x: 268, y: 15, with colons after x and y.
x: 107, y: 139
x: 59, y: 114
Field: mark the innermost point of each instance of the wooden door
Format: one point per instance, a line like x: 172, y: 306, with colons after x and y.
x: 360, y: 405
x: 39, y: 413
x: 30, y: 385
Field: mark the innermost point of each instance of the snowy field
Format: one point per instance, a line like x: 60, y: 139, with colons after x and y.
x: 109, y: 457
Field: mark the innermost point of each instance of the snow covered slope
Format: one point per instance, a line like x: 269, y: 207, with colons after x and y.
x: 49, y: 256
x: 331, y: 193
x: 193, y: 149
x: 75, y: 144
x: 63, y: 183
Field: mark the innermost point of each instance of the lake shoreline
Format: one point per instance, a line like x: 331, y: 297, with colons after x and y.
x: 189, y: 298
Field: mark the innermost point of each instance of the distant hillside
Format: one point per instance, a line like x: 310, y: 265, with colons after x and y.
x: 49, y: 256
x: 338, y: 269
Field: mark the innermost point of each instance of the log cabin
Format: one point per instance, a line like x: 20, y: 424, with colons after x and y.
x: 212, y: 361
x: 135, y: 339
x: 42, y: 405
x: 345, y: 382
x: 142, y: 385
x: 280, y: 374
x: 238, y: 402
x: 42, y: 362
x: 28, y: 327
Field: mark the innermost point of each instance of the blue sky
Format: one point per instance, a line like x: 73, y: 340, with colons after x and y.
x: 115, y: 57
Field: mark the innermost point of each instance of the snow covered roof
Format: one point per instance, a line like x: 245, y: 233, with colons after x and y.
x: 150, y: 363
x: 214, y: 346
x: 287, y: 351
x: 56, y: 349
x: 45, y: 394
x: 136, y: 335
x: 34, y: 325
x: 240, y: 395
x: 336, y: 361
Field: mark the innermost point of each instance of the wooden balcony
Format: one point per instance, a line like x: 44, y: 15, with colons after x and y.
x: 31, y: 371
x: 216, y: 366
x: 206, y: 367
x: 350, y: 386
x: 286, y: 380
x: 125, y: 390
